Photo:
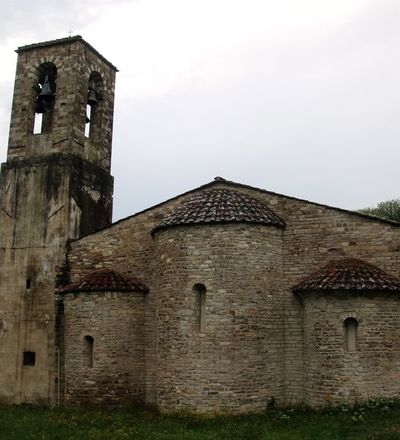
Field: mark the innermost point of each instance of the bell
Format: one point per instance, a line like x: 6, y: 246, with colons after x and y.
x: 46, y: 94
x: 92, y: 97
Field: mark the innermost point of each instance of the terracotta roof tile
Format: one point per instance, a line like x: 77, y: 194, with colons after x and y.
x: 349, y: 274
x: 221, y: 205
x: 105, y: 280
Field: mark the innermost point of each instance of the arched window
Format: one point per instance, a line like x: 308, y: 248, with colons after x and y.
x: 88, y: 343
x: 45, y: 88
x: 351, y: 327
x: 94, y: 96
x: 200, y: 292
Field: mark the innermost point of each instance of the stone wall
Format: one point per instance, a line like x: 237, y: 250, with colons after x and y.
x: 314, y: 235
x: 333, y: 373
x: 233, y: 363
x: 129, y: 248
x: 54, y: 186
x: 115, y: 321
x: 74, y: 61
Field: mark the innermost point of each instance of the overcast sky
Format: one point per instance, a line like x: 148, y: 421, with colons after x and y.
x: 300, y: 97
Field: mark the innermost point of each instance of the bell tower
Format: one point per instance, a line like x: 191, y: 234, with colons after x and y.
x: 55, y: 186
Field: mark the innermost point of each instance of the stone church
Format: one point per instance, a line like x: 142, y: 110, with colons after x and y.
x: 224, y: 298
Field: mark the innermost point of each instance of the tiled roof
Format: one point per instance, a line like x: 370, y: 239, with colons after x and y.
x: 218, y: 180
x: 105, y: 280
x: 221, y: 205
x: 349, y: 274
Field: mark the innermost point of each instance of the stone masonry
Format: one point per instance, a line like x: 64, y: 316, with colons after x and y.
x: 257, y: 345
x: 55, y: 186
x: 227, y: 298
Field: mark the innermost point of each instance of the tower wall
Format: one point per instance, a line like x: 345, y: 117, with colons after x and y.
x: 54, y: 186
x: 231, y: 361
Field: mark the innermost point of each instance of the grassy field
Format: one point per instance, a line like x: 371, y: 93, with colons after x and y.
x: 373, y: 421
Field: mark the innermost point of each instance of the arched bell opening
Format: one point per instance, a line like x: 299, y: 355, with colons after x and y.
x: 93, y: 106
x: 45, y: 89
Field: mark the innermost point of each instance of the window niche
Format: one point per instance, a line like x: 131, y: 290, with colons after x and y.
x: 45, y: 89
x: 200, y: 292
x: 93, y: 105
x: 29, y: 358
x: 351, y: 330
x: 88, y: 345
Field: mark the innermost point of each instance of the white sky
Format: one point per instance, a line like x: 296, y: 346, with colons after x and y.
x: 300, y: 97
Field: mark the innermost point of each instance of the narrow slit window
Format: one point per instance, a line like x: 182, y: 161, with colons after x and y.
x: 88, y: 343
x: 200, y: 292
x: 28, y: 283
x: 351, y: 329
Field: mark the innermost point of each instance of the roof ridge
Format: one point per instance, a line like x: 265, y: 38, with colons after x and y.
x: 219, y: 181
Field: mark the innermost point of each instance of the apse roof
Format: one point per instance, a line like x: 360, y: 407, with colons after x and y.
x: 105, y: 280
x: 220, y: 205
x: 349, y: 274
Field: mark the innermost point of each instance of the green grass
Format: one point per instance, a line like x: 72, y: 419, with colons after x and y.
x: 373, y: 421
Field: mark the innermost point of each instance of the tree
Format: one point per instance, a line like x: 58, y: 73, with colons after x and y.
x: 389, y: 210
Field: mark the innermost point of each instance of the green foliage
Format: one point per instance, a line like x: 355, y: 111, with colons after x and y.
x: 389, y: 210
x: 374, y: 420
